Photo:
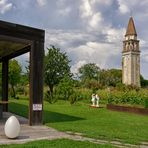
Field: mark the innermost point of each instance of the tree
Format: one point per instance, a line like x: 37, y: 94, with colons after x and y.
x: 14, y: 75
x: 110, y: 77
x: 56, y: 67
x: 65, y: 88
x: 144, y: 82
x: 24, y: 79
x: 89, y: 71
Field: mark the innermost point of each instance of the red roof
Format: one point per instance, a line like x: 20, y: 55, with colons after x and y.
x: 131, y: 28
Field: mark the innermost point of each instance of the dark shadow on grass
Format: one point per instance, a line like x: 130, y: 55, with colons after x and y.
x: 96, y: 107
x: 52, y: 117
x: 18, y: 109
x: 48, y: 116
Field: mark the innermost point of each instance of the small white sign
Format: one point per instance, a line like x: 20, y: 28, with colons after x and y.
x: 37, y: 107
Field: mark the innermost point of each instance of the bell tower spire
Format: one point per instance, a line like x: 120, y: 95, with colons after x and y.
x: 131, y: 56
x: 131, y: 28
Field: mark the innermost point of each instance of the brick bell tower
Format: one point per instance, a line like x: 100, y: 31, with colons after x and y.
x: 131, y: 56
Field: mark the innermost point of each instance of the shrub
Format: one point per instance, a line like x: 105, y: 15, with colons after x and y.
x: 121, y: 87
x: 110, y: 100
x: 65, y: 88
x: 20, y: 90
x: 133, y: 87
x: 50, y: 98
x: 92, y: 84
x: 129, y: 97
x: 146, y: 103
x: 73, y: 98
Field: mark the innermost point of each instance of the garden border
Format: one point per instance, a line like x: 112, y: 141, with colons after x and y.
x: 143, y: 111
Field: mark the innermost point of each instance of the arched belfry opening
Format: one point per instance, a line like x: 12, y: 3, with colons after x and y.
x: 16, y: 40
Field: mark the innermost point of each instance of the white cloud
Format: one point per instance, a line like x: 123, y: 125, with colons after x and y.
x: 64, y: 11
x: 96, y: 20
x: 145, y: 57
x: 5, y: 6
x: 123, y: 6
x: 41, y: 2
x: 81, y: 48
x: 88, y: 30
x: 61, y: 3
x: 103, y: 2
x: 76, y: 66
x: 63, y: 8
x: 66, y: 38
x: 93, y: 52
x: 115, y: 35
x: 143, y: 43
x: 91, y: 16
x: 86, y: 9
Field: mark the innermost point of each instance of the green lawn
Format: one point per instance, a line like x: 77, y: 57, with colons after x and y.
x: 65, y: 143
x: 92, y: 122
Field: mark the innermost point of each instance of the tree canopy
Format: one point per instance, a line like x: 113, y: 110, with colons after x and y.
x: 110, y: 77
x: 14, y: 75
x: 89, y: 71
x: 56, y: 67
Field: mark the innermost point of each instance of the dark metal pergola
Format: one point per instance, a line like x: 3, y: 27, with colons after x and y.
x: 16, y: 40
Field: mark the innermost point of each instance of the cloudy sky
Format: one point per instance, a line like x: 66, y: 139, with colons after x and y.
x: 88, y: 30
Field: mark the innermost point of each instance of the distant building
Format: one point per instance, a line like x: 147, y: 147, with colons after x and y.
x: 131, y: 56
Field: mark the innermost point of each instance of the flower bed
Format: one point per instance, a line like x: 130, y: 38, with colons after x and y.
x: 143, y: 111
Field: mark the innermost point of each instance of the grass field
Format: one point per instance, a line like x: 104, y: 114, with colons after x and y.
x: 97, y: 123
x: 65, y: 143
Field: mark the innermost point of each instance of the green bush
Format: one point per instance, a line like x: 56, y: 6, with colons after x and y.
x: 65, y: 88
x: 92, y: 84
x: 73, y: 98
x: 110, y: 100
x: 83, y: 94
x: 121, y: 87
x: 50, y: 98
x: 20, y: 90
x: 129, y: 97
x: 146, y: 103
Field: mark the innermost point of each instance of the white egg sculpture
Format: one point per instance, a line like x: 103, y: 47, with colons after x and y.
x: 12, y: 127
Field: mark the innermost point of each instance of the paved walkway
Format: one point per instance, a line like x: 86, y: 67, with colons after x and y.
x: 32, y: 133
x: 28, y: 133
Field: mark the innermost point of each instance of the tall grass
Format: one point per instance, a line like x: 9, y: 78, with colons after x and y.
x: 131, y: 97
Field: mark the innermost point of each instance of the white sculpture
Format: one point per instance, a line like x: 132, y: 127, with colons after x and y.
x: 12, y: 127
x: 95, y: 100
